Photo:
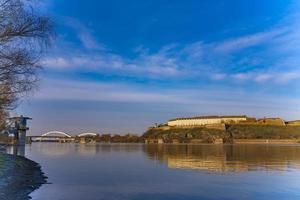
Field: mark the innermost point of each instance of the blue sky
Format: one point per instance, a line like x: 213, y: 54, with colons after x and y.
x: 121, y: 66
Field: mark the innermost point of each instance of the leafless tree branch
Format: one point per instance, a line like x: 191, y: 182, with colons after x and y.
x: 24, y: 34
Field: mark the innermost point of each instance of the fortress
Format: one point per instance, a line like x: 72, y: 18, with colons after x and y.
x: 215, y: 121
x: 206, y: 120
x: 236, y: 129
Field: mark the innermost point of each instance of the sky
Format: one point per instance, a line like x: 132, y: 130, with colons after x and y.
x: 122, y: 66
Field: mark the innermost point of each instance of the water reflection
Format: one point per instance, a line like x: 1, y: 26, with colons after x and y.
x: 58, y: 149
x: 217, y: 158
x: 227, y: 158
x: 16, y: 150
x: 139, y: 172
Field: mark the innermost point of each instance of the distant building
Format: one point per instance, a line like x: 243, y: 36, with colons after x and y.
x: 206, y: 120
x: 271, y: 121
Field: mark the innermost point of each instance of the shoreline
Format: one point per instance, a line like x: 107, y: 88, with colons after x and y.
x: 19, y: 177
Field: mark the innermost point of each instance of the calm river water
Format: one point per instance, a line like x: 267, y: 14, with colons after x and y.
x: 163, y: 172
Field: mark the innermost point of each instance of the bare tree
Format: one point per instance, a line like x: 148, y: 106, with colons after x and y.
x: 24, y: 34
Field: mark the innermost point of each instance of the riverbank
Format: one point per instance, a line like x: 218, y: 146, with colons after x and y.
x: 236, y: 133
x: 19, y: 177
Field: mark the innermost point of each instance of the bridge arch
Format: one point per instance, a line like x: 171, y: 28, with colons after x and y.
x: 56, y: 132
x: 87, y: 134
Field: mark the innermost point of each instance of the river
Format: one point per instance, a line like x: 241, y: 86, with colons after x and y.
x: 166, y: 172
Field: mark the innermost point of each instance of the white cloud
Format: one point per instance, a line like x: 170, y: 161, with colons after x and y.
x: 100, y: 91
x: 218, y: 76
x: 248, y: 40
x: 281, y: 78
x: 198, y: 60
x: 191, y: 98
x: 145, y: 64
x: 84, y: 34
x: 287, y: 76
x: 194, y: 50
x: 89, y: 41
x: 57, y: 62
x: 263, y: 77
x: 241, y: 76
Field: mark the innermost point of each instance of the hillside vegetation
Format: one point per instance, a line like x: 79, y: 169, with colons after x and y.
x: 185, y: 134
x: 232, y: 132
x: 263, y: 132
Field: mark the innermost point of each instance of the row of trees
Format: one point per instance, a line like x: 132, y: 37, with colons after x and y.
x: 24, y: 35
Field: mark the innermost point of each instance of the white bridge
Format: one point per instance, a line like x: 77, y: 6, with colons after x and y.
x: 56, y: 134
x: 87, y: 134
x: 60, y: 136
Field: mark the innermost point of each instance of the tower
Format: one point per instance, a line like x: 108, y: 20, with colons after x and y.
x: 20, y: 128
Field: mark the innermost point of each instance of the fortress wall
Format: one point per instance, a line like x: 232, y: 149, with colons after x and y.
x: 205, y: 121
x: 293, y: 123
x: 216, y: 126
x: 271, y: 121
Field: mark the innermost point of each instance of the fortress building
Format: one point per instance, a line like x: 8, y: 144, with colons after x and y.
x: 206, y: 120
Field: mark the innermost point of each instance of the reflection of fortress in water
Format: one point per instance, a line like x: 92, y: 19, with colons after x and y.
x: 226, y: 158
x: 216, y: 158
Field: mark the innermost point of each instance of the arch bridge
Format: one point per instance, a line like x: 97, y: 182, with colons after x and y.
x: 87, y: 135
x: 52, y: 136
x: 60, y: 136
x: 56, y: 134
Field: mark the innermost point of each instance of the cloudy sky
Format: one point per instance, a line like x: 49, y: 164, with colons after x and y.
x: 121, y: 66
